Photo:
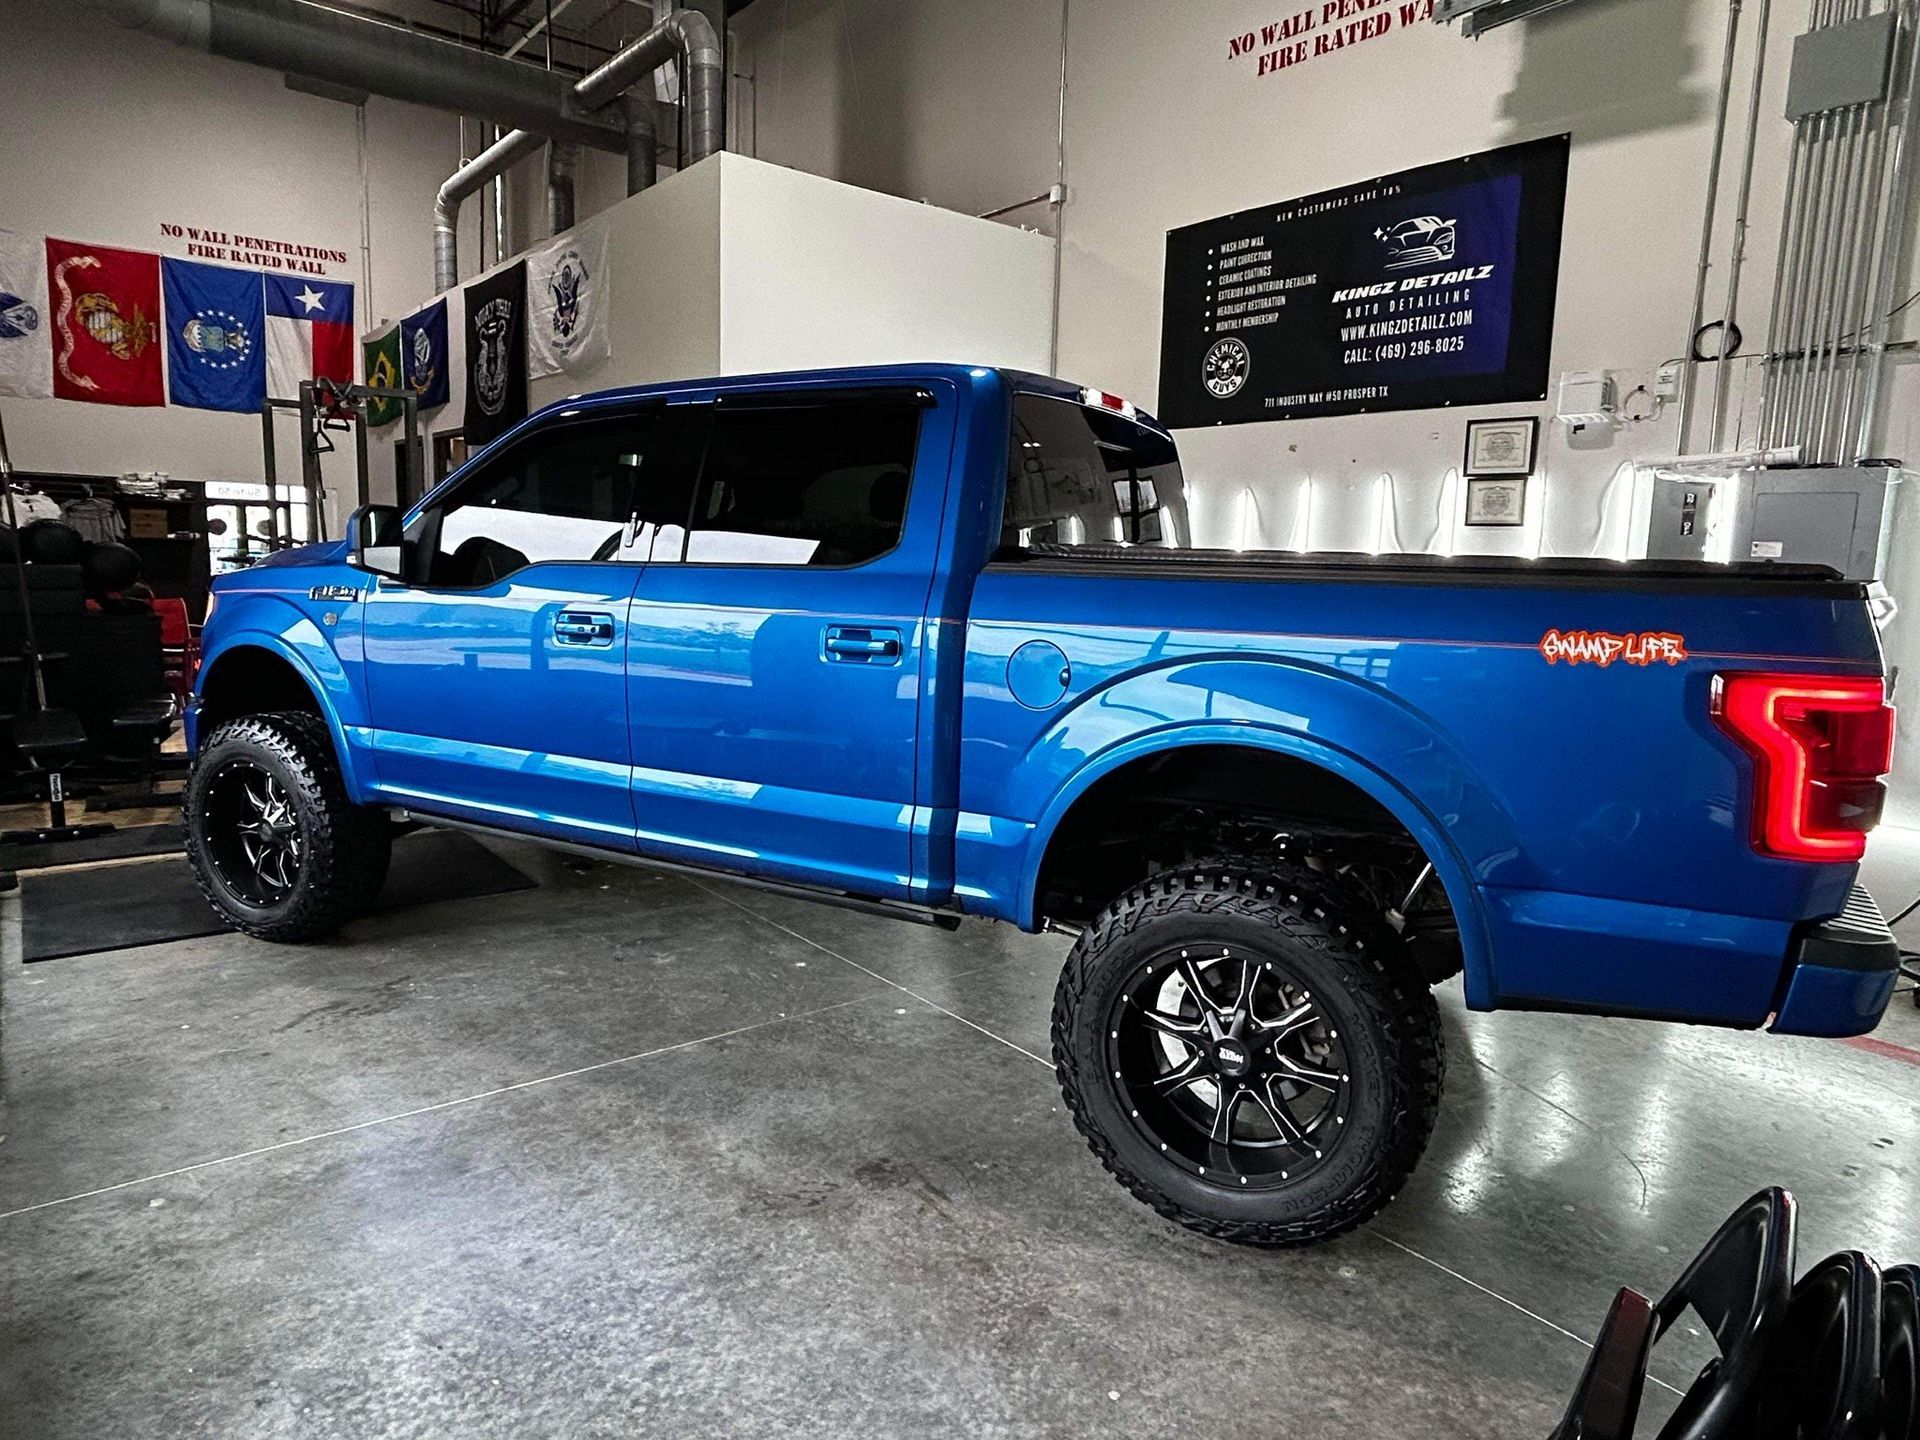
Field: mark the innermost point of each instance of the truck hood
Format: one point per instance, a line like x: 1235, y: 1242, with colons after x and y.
x: 326, y: 552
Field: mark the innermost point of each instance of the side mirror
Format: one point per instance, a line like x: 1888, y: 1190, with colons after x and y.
x: 374, y: 541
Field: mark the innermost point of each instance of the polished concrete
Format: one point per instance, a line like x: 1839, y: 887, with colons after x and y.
x: 626, y: 1155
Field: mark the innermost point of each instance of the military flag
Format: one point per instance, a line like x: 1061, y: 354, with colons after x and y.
x: 496, y: 334
x: 216, y: 336
x: 567, y: 300
x: 26, y: 355
x: 106, y: 323
x: 424, y: 355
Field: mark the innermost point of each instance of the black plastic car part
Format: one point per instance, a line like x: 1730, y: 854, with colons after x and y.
x: 1607, y: 1402
x: 1822, y: 1380
x: 1741, y: 1285
x: 1900, y: 1353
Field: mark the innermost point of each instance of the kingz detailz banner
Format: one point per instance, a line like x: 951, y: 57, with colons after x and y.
x: 1431, y: 287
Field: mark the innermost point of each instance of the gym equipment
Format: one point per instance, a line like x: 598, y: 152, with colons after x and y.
x: 326, y: 407
x: 50, y: 739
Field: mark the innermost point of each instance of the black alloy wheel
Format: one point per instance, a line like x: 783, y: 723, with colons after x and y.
x: 1230, y: 1066
x: 277, y: 846
x: 1250, y: 1050
x: 253, y: 831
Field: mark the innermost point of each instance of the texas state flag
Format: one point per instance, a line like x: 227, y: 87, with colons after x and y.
x: 309, y: 333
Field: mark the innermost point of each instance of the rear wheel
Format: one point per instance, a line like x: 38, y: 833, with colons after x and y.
x: 276, y: 846
x: 1247, y: 1055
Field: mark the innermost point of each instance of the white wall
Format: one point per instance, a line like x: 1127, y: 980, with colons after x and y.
x: 1165, y: 126
x: 815, y: 273
x: 953, y: 103
x: 735, y: 266
x: 109, y: 133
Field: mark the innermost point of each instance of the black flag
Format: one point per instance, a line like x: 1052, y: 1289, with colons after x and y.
x: 496, y: 354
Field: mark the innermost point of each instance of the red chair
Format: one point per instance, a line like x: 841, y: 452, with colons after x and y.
x: 179, y: 646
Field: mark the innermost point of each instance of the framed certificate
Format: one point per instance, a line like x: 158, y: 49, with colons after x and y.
x: 1501, y: 447
x: 1496, y: 500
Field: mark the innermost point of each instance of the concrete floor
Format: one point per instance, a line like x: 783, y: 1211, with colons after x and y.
x: 627, y: 1155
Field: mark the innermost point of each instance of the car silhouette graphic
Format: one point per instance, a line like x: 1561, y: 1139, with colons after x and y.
x: 1423, y: 240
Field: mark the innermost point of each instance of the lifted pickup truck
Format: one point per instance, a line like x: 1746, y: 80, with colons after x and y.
x: 931, y: 641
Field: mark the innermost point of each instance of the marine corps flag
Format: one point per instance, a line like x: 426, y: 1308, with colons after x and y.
x: 382, y: 359
x: 106, y: 323
x: 496, y: 354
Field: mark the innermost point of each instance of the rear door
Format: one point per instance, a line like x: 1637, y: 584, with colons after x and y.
x: 497, y: 685
x: 775, y: 672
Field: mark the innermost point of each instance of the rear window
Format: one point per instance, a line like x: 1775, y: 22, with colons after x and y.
x: 1077, y: 475
x: 813, y: 484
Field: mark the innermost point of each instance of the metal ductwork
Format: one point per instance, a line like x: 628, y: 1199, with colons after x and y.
x: 685, y: 35
x: 358, y: 52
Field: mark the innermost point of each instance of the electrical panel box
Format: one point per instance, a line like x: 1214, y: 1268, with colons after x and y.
x: 1681, y: 516
x: 1830, y: 515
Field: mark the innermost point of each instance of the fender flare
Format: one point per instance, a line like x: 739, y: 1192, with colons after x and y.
x: 327, y: 688
x: 1449, y: 867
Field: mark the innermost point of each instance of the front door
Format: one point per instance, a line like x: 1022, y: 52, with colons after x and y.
x: 497, y: 682
x: 776, y: 671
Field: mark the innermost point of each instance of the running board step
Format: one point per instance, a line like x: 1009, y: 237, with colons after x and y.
x: 892, y: 909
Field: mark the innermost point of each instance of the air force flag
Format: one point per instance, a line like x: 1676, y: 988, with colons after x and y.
x: 216, y: 336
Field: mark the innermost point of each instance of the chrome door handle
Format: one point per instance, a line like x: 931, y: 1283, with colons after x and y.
x: 861, y: 644
x: 583, y: 627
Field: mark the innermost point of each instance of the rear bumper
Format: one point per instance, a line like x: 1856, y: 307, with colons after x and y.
x: 1555, y: 951
x: 1841, y: 972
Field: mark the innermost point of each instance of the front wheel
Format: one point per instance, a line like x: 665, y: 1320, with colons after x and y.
x: 1247, y: 1055
x: 277, y: 847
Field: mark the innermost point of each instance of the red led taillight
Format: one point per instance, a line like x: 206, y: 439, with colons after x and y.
x: 1820, y: 745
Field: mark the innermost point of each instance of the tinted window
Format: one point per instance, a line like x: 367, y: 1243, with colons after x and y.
x: 1077, y: 475
x: 804, y: 485
x: 605, y: 490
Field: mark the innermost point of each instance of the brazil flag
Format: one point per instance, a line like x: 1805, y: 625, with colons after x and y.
x: 383, y: 373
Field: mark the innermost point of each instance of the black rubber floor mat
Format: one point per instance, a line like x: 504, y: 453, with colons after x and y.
x: 115, y: 907
x: 119, y: 845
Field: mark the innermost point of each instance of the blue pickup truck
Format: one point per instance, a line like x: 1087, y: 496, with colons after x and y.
x: 932, y: 641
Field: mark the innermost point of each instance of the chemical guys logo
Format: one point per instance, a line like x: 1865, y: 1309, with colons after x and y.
x: 1602, y: 647
x: 1225, y: 368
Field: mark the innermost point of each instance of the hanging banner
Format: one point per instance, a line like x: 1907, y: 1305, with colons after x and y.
x: 424, y: 356
x: 106, y: 323
x: 496, y: 334
x: 26, y: 352
x: 567, y: 301
x: 1431, y: 287
x: 216, y: 340
x: 381, y: 361
x: 309, y: 333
